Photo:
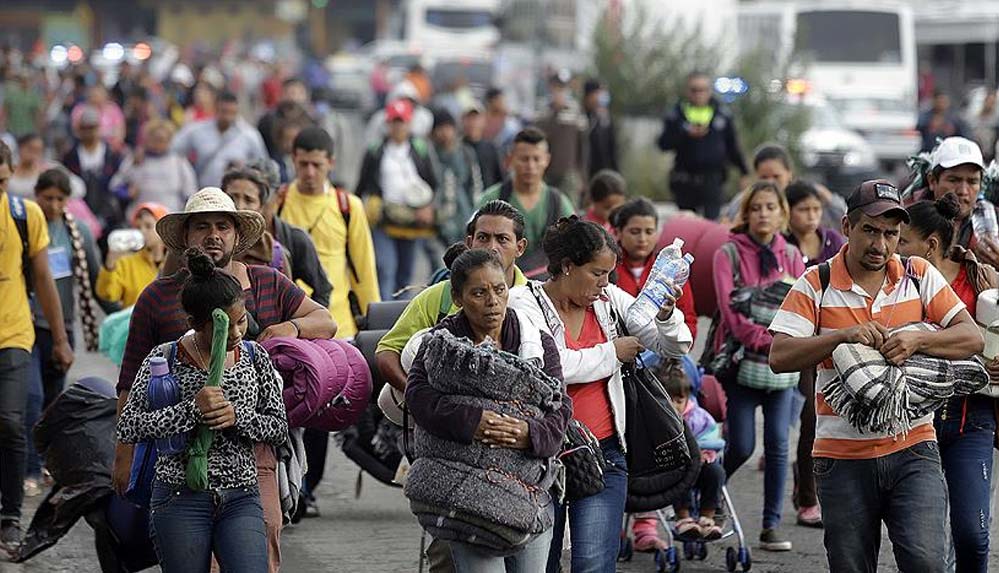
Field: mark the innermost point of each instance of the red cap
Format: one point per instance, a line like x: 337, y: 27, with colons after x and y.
x: 400, y: 109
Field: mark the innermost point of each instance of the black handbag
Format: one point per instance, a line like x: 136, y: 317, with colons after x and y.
x: 653, y: 428
x: 583, y: 461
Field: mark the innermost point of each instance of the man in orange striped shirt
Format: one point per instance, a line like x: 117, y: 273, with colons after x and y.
x: 863, y: 478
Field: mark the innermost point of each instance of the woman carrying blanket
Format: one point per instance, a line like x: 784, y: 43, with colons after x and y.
x: 478, y: 286
x: 243, y: 409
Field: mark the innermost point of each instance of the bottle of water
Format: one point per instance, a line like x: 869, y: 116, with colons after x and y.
x: 164, y: 392
x: 671, y: 265
x: 983, y: 218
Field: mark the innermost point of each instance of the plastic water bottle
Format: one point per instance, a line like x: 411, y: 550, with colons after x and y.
x: 164, y: 392
x: 983, y: 218
x: 671, y: 265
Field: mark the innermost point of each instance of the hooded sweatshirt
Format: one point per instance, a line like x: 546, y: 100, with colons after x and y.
x: 790, y: 265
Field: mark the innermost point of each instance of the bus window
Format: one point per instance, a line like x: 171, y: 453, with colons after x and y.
x: 848, y: 37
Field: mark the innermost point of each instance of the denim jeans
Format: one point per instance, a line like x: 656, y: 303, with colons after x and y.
x: 594, y: 522
x: 532, y: 558
x: 15, y: 368
x: 905, y: 490
x: 966, y: 429
x: 46, y: 383
x: 188, y: 526
x: 741, y: 440
x: 394, y: 262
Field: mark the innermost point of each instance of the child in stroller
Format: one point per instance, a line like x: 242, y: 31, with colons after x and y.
x: 712, y: 476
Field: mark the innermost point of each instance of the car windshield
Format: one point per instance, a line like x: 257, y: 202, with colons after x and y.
x: 825, y: 117
x: 854, y: 36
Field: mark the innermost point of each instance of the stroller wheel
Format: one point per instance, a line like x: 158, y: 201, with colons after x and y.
x: 731, y: 559
x: 667, y: 560
x: 702, y: 551
x: 627, y: 549
x: 745, y: 559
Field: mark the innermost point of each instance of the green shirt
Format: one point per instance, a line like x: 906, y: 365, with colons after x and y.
x: 22, y: 109
x: 422, y: 312
x: 536, y: 219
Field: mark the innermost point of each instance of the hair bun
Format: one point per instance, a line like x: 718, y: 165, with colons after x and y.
x: 200, y: 265
x: 948, y: 206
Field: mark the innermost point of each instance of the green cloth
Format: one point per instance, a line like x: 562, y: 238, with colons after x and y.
x: 197, y: 452
x: 22, y: 108
x: 698, y: 115
x: 535, y: 220
x: 422, y: 312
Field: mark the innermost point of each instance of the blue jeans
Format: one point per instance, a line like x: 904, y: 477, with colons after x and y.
x: 741, y: 440
x: 966, y: 429
x: 394, y: 262
x: 531, y: 558
x: 188, y: 526
x: 595, y: 521
x: 905, y: 490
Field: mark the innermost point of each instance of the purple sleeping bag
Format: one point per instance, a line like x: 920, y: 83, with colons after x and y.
x: 352, y: 392
x: 311, y: 378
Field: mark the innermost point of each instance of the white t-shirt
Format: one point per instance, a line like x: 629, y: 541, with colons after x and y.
x: 398, y: 172
x: 92, y: 161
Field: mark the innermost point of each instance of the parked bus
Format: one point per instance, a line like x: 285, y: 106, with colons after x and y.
x: 448, y: 27
x: 861, y: 56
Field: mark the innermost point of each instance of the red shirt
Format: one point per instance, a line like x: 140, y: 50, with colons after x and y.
x: 965, y: 290
x: 590, y: 400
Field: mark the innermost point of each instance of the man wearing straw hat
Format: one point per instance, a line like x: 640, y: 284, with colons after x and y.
x: 275, y: 307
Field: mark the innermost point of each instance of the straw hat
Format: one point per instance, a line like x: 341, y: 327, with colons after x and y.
x: 172, y: 228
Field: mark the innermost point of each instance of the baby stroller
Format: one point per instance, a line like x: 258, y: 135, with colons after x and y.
x: 667, y: 557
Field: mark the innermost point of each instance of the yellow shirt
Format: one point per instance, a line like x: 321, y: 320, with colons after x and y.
x: 125, y: 283
x: 320, y: 216
x: 16, y: 327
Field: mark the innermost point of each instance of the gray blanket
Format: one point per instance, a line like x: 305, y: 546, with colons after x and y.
x: 501, y: 486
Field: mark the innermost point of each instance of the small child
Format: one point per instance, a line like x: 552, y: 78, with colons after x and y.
x: 125, y: 275
x: 608, y: 191
x: 709, y: 438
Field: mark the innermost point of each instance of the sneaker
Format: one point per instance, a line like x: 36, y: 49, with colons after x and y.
x: 311, y: 507
x: 32, y: 487
x: 10, y: 535
x: 687, y: 529
x: 771, y: 540
x: 710, y: 530
x: 646, y: 533
x: 810, y: 516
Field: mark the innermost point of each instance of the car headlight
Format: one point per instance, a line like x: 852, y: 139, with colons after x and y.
x: 856, y: 158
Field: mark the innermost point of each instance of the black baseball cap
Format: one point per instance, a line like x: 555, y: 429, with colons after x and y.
x: 876, y: 198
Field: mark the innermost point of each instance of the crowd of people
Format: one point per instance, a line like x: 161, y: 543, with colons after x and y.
x: 216, y: 235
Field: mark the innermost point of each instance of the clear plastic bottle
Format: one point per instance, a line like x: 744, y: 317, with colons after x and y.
x: 671, y: 265
x: 164, y: 391
x: 983, y: 218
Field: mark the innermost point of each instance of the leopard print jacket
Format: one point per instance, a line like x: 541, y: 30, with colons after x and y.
x: 254, y: 388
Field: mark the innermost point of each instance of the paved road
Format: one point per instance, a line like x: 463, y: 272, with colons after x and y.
x: 375, y: 532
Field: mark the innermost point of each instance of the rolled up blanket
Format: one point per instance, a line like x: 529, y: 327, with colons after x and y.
x: 310, y: 376
x: 876, y: 396
x: 455, y: 488
x: 350, y: 392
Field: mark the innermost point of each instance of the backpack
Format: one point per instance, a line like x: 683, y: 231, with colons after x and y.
x: 535, y: 265
x: 19, y: 213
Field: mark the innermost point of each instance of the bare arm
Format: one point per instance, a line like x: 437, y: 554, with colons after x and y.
x: 960, y: 340
x: 314, y: 321
x: 389, y: 365
x: 792, y: 354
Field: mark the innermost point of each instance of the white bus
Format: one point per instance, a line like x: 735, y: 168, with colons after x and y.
x: 442, y: 27
x: 861, y: 56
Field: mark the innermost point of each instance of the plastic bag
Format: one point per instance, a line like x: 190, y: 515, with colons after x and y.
x: 114, y: 334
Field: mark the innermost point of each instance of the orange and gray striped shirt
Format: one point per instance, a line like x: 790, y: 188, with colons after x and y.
x: 844, y: 305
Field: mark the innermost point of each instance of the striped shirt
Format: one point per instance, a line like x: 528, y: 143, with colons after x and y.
x: 844, y: 305
x: 158, y: 316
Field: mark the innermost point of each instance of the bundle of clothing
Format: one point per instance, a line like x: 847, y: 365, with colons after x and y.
x: 874, y: 395
x: 327, y: 383
x: 494, y: 498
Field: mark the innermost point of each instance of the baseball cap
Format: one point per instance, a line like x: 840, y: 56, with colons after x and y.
x: 442, y: 117
x: 876, y: 198
x: 473, y: 107
x: 399, y: 109
x: 955, y: 151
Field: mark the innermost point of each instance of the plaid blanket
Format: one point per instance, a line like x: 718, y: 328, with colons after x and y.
x: 876, y: 396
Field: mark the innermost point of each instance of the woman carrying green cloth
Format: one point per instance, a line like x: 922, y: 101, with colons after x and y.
x: 206, y: 499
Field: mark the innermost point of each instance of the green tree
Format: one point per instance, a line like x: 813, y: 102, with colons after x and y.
x: 644, y: 62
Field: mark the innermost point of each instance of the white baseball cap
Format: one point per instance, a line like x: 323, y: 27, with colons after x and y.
x: 955, y: 151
